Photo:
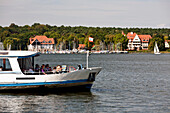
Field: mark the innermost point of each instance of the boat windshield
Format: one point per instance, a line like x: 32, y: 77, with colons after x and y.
x: 25, y: 63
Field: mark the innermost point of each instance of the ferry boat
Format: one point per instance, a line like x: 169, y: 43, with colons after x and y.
x: 14, y: 75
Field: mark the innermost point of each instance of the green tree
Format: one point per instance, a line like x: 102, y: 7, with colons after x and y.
x: 160, y: 41
x: 109, y: 40
x: 8, y: 41
x: 78, y: 34
x: 3, y: 35
x: 119, y: 38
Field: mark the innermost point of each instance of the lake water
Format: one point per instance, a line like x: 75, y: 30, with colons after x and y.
x: 127, y: 83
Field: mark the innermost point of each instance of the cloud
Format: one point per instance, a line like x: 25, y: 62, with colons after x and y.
x: 163, y: 25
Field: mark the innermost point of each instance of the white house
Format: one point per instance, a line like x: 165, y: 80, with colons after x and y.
x: 138, y: 42
x: 41, y: 43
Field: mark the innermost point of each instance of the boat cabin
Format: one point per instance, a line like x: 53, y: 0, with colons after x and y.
x: 23, y: 61
x: 16, y: 61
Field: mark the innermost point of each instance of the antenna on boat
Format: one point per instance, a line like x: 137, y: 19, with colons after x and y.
x: 87, y: 60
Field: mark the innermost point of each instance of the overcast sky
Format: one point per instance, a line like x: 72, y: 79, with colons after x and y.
x: 102, y: 13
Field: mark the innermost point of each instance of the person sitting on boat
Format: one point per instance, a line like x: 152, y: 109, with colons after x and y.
x: 31, y: 70
x: 43, y: 65
x: 1, y: 69
x: 59, y: 69
x: 50, y: 69
x: 54, y: 70
x: 37, y: 68
x: 42, y: 69
x: 46, y: 69
x: 79, y: 67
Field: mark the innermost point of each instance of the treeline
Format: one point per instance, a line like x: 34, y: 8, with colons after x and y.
x: 18, y: 36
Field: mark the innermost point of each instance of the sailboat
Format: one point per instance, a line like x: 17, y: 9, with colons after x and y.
x: 156, y: 49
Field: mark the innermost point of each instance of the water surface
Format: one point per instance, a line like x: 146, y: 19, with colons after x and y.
x: 127, y: 83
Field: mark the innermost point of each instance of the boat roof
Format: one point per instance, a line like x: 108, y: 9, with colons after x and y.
x: 19, y: 54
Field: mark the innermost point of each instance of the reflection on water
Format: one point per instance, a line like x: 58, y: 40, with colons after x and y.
x: 45, y: 102
x: 127, y: 83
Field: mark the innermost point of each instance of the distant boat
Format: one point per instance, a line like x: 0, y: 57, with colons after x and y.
x: 156, y: 49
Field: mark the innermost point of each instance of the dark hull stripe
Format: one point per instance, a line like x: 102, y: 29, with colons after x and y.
x: 25, y: 78
x: 43, y: 83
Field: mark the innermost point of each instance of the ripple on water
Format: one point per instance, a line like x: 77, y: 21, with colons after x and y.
x: 127, y: 83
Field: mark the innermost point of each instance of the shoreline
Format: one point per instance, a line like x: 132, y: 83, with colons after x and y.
x: 129, y: 52
x: 151, y: 52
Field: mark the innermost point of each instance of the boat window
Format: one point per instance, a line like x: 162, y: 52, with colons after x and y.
x: 5, y: 65
x: 25, y: 63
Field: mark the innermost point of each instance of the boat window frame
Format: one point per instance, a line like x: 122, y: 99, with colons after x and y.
x: 22, y: 61
x: 4, y: 64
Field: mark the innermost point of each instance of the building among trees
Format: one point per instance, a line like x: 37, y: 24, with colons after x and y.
x: 81, y: 46
x: 167, y: 44
x: 138, y: 42
x: 41, y: 44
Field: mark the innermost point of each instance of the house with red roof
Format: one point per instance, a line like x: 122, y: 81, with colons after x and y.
x: 41, y: 43
x: 81, y: 46
x: 145, y: 41
x: 138, y: 42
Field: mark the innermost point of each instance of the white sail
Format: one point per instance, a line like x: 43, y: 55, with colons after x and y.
x: 156, y: 49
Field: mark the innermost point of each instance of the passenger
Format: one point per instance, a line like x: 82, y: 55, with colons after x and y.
x: 31, y: 70
x: 1, y: 69
x: 79, y: 66
x: 37, y: 68
x: 50, y: 69
x: 42, y: 66
x: 46, y: 68
x: 59, y: 69
x: 42, y: 69
x: 54, y: 70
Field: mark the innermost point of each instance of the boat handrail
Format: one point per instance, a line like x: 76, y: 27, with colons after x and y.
x: 70, y: 69
x: 41, y: 73
x: 27, y: 72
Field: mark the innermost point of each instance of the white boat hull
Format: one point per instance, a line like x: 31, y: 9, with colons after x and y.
x: 80, y: 78
x: 157, y: 53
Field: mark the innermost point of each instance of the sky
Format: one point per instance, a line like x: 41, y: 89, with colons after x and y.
x: 93, y: 13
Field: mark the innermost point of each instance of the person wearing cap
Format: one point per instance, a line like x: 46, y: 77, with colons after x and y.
x: 58, y: 69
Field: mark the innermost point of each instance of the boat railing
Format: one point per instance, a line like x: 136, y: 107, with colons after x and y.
x: 26, y: 72
x: 69, y: 69
x: 41, y: 73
